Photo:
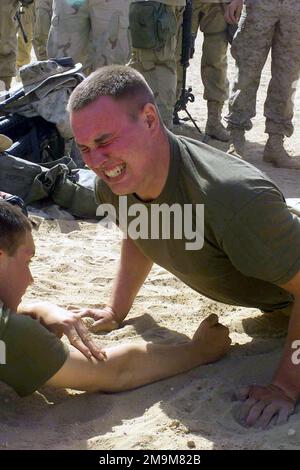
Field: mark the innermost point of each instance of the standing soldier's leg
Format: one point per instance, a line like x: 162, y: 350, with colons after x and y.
x: 110, y: 35
x: 69, y: 33
x: 214, y: 67
x: 158, y: 65
x: 279, y: 105
x: 43, y: 13
x: 8, y: 41
x: 24, y: 48
x: 250, y: 49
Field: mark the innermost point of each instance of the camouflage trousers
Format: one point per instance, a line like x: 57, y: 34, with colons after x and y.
x: 93, y: 32
x: 159, y: 67
x: 263, y: 27
x: 36, y: 23
x: 43, y: 13
x: 24, y: 48
x: 209, y: 18
x: 8, y: 39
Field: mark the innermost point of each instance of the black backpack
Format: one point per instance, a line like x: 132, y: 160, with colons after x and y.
x: 35, y: 139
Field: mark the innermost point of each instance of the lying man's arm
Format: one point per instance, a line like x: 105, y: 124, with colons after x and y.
x: 132, y: 365
x: 277, y: 400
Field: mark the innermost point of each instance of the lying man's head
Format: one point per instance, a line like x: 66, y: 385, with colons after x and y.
x: 116, y: 125
x: 16, y: 251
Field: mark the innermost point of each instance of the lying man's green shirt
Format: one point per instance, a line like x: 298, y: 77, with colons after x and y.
x: 30, y: 354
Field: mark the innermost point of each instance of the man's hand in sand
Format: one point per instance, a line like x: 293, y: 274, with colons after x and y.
x: 213, y: 338
x: 233, y: 11
x: 263, y: 404
x: 63, y: 322
x: 105, y: 318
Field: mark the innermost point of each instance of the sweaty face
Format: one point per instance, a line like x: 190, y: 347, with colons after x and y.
x: 15, y: 275
x: 114, y: 146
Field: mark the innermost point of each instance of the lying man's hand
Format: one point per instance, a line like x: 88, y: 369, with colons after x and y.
x: 63, y: 322
x: 104, y: 318
x: 213, y: 338
x: 264, y: 403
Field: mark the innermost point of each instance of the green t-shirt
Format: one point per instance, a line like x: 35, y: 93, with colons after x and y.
x: 29, y: 354
x: 251, y: 239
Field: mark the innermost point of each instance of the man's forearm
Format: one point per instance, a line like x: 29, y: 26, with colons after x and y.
x: 132, y: 365
x: 126, y: 366
x: 133, y: 269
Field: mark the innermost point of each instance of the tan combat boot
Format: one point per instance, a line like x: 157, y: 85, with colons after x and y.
x: 214, y: 127
x: 275, y: 153
x: 6, y: 81
x: 5, y: 143
x: 237, y: 142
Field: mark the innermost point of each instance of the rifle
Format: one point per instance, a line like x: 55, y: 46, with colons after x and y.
x: 17, y: 17
x: 187, y: 52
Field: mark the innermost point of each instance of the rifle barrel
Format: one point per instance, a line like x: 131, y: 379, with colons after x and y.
x: 17, y: 18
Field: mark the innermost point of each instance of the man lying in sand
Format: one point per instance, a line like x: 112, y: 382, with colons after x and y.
x: 34, y: 355
x: 251, y: 248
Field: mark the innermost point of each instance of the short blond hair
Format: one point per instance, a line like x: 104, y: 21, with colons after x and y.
x: 119, y: 82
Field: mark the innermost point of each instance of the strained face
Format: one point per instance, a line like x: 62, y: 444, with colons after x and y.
x: 114, y: 145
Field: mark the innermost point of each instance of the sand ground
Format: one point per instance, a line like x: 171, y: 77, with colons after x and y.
x: 75, y: 264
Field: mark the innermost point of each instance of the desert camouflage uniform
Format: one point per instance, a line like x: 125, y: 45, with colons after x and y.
x: 159, y: 66
x: 24, y: 48
x: 8, y: 40
x: 43, y: 13
x: 208, y: 15
x: 93, y: 32
x: 266, y: 25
